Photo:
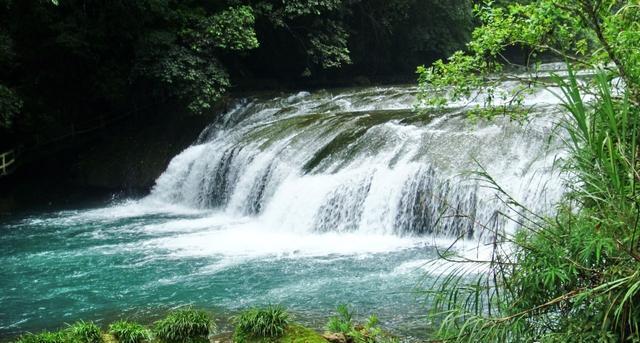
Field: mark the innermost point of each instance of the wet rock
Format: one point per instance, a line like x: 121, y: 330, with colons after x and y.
x: 335, y: 337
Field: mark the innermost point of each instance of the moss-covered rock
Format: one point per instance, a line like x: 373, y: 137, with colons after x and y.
x: 294, y: 333
x: 300, y: 334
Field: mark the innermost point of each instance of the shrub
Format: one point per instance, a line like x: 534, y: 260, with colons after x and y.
x: 128, y: 332
x: 574, y: 277
x: 269, y: 322
x: 84, y: 332
x: 184, y: 325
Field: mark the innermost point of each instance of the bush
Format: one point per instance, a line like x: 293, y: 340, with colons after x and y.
x: 184, y: 325
x: 269, y: 322
x: 128, y: 332
x: 85, y: 332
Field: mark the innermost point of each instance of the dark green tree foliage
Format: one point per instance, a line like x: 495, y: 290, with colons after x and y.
x: 10, y: 103
x: 181, y: 58
x: 68, y: 65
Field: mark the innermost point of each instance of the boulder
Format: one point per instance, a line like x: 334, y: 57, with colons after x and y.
x: 335, y: 337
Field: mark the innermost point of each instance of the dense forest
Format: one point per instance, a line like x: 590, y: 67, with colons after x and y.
x: 68, y: 66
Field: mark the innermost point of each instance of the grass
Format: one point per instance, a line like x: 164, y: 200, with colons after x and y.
x: 129, y: 332
x: 270, y: 322
x: 370, y: 332
x: 43, y: 337
x: 184, y: 325
x: 85, y: 332
x: 79, y: 332
x: 257, y: 325
x: 300, y: 334
x: 574, y: 277
x: 342, y: 322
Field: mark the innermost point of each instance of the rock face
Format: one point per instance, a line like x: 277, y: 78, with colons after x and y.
x: 130, y: 157
x: 124, y: 159
x: 335, y: 337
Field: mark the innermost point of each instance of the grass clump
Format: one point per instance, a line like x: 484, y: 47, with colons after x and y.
x: 44, y: 337
x: 370, y: 332
x: 84, y: 332
x: 129, y: 332
x: 184, y: 325
x: 79, y: 332
x: 342, y: 322
x: 267, y: 323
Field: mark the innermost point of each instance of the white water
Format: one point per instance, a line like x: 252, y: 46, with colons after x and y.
x: 386, y: 183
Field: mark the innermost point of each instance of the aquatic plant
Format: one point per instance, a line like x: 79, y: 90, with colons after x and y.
x: 129, y: 332
x: 256, y: 323
x: 184, y: 325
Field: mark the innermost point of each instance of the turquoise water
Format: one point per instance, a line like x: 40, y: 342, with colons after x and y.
x: 310, y: 201
x: 127, y: 261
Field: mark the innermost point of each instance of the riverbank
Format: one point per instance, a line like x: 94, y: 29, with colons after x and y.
x: 266, y: 324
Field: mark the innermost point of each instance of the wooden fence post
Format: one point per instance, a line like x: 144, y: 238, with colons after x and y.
x: 8, y: 158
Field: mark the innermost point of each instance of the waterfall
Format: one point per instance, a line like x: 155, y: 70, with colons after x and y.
x: 364, y: 161
x: 307, y: 200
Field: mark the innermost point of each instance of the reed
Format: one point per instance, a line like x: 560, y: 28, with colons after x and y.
x: 574, y: 277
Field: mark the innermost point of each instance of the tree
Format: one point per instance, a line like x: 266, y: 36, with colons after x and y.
x: 79, y: 63
x: 573, y: 277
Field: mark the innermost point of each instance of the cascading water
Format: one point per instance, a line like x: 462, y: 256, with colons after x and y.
x: 309, y: 200
x: 361, y: 161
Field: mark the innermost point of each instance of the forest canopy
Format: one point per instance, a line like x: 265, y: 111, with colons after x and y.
x: 65, y: 62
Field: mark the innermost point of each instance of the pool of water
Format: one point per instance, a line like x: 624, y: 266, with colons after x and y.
x: 137, y: 259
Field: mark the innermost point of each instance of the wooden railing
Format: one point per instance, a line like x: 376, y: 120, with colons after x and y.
x: 7, y: 160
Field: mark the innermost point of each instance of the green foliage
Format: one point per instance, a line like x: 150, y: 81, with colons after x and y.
x: 233, y: 29
x: 129, y: 332
x: 44, y: 337
x: 184, y: 325
x: 183, y: 57
x: 10, y: 106
x: 84, y: 332
x: 299, y: 334
x: 342, y: 322
x: 370, y: 332
x: 329, y: 48
x: 68, y: 64
x: 79, y: 332
x: 261, y: 323
x: 298, y: 8
x: 572, y: 278
x: 587, y: 33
